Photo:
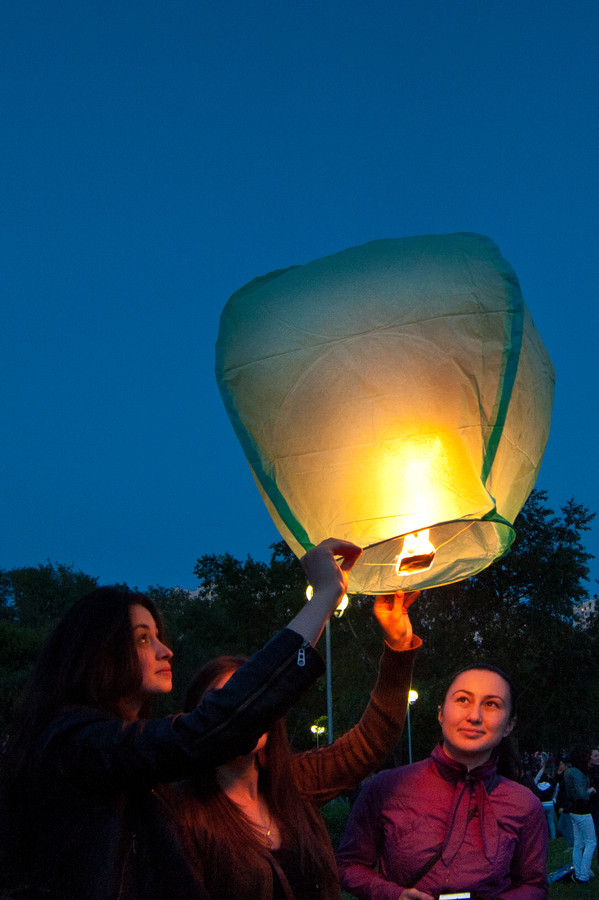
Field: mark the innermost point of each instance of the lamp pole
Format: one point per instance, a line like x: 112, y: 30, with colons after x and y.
x: 317, y: 730
x: 327, y: 634
x: 412, y: 697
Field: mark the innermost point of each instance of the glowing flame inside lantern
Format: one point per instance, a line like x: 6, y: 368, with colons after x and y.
x: 417, y: 554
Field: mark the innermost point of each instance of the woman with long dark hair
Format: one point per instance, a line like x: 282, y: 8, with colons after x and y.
x: 451, y: 823
x: 251, y: 826
x: 82, y: 819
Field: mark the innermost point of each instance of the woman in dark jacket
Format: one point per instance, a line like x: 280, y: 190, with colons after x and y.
x: 564, y: 823
x: 578, y: 789
x: 79, y: 772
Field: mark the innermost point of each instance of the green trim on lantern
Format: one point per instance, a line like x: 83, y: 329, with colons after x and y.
x: 509, y: 368
x: 268, y: 484
x: 492, y: 516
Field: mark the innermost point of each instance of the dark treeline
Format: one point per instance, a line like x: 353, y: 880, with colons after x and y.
x: 518, y: 614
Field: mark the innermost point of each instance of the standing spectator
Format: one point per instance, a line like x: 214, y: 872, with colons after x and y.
x: 594, y: 779
x: 564, y: 822
x: 578, y: 790
x: 544, y: 787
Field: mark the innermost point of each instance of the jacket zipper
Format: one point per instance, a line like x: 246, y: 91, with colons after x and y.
x: 298, y: 657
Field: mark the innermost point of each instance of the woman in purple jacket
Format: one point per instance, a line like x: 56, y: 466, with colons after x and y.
x: 451, y: 824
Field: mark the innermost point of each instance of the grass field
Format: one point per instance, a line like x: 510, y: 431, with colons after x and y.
x: 560, y: 855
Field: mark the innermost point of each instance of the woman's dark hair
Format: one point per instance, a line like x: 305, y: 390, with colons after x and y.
x: 205, y: 678
x: 580, y: 756
x: 88, y: 660
x: 508, y: 757
x: 213, y: 825
x: 487, y: 668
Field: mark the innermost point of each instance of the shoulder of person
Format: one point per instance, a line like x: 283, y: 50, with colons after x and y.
x: 519, y: 794
x: 401, y: 779
x: 73, y: 717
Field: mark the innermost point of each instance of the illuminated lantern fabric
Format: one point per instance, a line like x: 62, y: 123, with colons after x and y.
x: 389, y: 389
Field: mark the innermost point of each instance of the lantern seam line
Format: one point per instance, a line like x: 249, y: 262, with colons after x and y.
x: 267, y: 484
x: 507, y: 377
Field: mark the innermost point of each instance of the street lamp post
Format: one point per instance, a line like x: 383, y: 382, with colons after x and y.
x: 412, y: 697
x: 328, y: 663
x: 317, y: 730
x: 329, y: 678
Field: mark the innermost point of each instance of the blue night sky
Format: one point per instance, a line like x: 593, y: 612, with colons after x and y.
x: 155, y: 155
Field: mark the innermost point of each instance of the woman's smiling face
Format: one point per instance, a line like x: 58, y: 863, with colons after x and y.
x: 476, y: 714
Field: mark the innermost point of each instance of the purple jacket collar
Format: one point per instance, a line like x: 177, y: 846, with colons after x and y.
x: 454, y: 771
x: 470, y: 798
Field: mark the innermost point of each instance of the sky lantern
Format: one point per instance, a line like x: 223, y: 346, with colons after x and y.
x: 395, y: 394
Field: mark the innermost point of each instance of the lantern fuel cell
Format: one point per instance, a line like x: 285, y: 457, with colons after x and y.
x: 417, y: 554
x: 387, y: 391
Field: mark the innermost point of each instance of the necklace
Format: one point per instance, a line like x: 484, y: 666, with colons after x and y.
x: 256, y: 817
x: 267, y: 832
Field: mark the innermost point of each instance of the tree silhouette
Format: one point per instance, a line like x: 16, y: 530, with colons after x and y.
x: 518, y: 614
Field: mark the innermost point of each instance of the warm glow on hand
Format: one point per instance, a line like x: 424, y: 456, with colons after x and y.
x: 391, y: 610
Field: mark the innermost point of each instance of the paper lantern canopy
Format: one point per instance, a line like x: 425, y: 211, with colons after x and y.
x: 396, y: 395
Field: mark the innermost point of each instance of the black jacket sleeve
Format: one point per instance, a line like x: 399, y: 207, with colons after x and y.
x: 87, y: 745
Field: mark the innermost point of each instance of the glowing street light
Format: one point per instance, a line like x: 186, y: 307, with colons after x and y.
x: 343, y: 603
x: 317, y: 730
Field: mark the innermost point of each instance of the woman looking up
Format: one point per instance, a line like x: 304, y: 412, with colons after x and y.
x: 251, y: 825
x: 451, y: 823
x: 81, y: 814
